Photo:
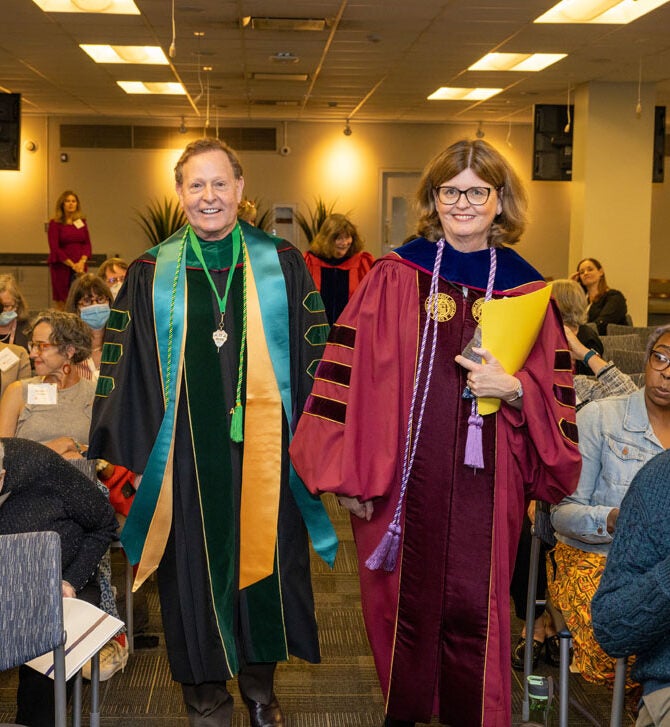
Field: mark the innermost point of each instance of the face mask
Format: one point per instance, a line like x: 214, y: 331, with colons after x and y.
x: 115, y: 289
x: 6, y: 317
x: 95, y: 316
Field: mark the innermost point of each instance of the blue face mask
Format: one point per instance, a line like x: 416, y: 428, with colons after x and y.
x: 6, y: 317
x: 95, y: 316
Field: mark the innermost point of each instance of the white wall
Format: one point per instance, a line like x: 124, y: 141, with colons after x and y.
x: 323, y: 162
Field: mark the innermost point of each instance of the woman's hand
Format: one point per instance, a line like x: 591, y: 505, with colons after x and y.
x: 68, y: 590
x: 490, y: 378
x: 577, y: 349
x: 360, y: 509
x: 65, y: 446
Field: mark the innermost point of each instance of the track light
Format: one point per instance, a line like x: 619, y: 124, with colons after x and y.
x: 182, y: 126
x: 347, y: 129
x: 480, y: 132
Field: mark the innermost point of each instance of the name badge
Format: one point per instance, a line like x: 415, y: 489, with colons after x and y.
x: 7, y: 359
x: 78, y: 224
x: 46, y: 394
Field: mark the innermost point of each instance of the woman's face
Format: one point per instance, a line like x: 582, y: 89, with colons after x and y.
x: 657, y: 383
x: 589, y: 273
x: 7, y: 301
x: 341, y: 244
x: 466, y: 226
x: 46, y: 357
x: 70, y: 204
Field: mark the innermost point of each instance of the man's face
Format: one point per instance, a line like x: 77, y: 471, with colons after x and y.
x: 209, y: 194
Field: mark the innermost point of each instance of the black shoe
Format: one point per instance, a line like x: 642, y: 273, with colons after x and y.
x: 264, y: 715
x: 390, y: 722
x: 552, y: 655
x: 519, y: 651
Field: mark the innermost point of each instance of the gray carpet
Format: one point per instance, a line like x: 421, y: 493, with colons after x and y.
x: 342, y: 691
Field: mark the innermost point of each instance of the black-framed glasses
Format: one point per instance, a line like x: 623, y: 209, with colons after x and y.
x: 658, y: 361
x: 39, y: 346
x: 475, y: 195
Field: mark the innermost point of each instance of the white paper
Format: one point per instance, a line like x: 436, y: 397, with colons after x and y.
x: 43, y: 394
x: 88, y: 629
x: 7, y: 359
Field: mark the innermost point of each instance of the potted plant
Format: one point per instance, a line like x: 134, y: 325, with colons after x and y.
x: 310, y: 226
x: 160, y: 219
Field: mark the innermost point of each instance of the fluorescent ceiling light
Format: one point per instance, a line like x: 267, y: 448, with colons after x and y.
x: 149, y: 54
x: 463, y: 94
x: 172, y: 89
x: 516, y: 61
x: 279, y: 76
x: 614, y: 12
x: 283, y: 23
x: 116, y: 7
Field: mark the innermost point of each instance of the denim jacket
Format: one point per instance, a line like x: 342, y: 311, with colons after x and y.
x: 615, y: 441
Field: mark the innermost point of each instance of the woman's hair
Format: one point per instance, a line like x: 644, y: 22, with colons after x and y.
x: 87, y: 284
x: 493, y: 168
x: 111, y: 262
x: 571, y: 300
x: 200, y: 146
x: 655, y: 335
x: 60, y: 212
x: 8, y: 285
x: 67, y: 329
x: 335, y: 225
x: 602, y: 283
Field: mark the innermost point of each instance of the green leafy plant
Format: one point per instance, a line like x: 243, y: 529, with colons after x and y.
x: 160, y: 219
x: 312, y: 224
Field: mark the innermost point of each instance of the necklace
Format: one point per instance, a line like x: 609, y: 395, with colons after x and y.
x: 219, y: 335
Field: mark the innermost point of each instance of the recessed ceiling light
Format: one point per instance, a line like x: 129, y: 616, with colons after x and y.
x: 149, y: 54
x: 463, y: 94
x: 516, y: 61
x: 283, y: 23
x: 116, y: 7
x: 148, y: 87
x: 279, y: 76
x: 614, y: 12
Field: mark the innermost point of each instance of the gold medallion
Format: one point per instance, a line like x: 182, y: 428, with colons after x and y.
x: 477, y: 309
x: 440, y: 307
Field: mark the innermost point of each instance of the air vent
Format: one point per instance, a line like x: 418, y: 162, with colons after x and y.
x: 101, y: 136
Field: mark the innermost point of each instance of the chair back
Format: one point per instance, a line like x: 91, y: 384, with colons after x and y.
x: 615, y: 329
x: 31, y: 601
x: 629, y: 362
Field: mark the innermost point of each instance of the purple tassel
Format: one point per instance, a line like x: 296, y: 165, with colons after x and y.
x: 385, y: 554
x: 474, y: 455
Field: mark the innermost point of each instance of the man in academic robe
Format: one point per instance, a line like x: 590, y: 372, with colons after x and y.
x: 438, y: 622
x: 208, y: 359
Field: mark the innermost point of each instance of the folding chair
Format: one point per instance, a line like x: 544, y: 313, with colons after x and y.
x: 616, y: 714
x: 31, y: 615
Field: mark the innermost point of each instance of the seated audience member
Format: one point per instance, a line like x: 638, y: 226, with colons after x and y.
x: 337, y: 263
x: 572, y: 303
x: 14, y: 315
x: 14, y: 365
x: 617, y: 436
x: 605, y: 304
x: 604, y: 378
x: 631, y: 609
x: 40, y: 492
x: 113, y: 271
x: 91, y: 299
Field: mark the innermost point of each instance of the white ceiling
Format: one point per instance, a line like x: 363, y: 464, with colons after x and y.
x: 377, y: 60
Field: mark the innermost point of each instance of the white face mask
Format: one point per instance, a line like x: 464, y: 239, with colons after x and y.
x: 115, y: 289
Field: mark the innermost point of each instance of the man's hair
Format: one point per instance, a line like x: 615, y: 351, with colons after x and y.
x: 200, y: 146
x: 67, y: 329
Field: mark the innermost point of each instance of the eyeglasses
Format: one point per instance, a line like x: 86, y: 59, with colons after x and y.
x: 475, y: 195
x: 39, y: 346
x: 118, y: 279
x: 9, y: 307
x: 658, y: 361
x: 92, y: 300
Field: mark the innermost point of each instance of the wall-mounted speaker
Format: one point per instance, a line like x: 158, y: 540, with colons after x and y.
x: 10, y: 130
x: 552, y: 142
x: 657, y: 172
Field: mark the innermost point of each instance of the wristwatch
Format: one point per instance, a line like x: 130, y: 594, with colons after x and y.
x: 517, y: 394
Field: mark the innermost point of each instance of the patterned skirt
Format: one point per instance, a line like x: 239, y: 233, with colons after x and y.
x: 573, y: 577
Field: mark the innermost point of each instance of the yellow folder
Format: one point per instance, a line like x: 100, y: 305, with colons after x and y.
x: 510, y: 327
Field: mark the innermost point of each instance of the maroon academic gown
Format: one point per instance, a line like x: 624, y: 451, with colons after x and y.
x: 439, y: 624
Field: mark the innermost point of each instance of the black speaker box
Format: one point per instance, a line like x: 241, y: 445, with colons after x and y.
x: 10, y: 130
x: 552, y: 144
